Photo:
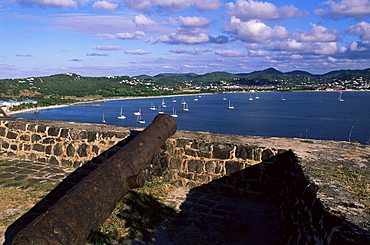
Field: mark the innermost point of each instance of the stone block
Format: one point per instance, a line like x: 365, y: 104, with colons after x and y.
x: 41, y: 128
x: 13, y: 147
x: 205, y: 154
x: 245, y: 152
x: 191, y: 152
x: 2, y: 132
x: 182, y: 142
x: 38, y: 147
x: 92, y: 136
x: 26, y: 147
x: 35, y: 138
x: 17, y: 125
x: 222, y: 151
x: 31, y: 127
x: 82, y: 150
x: 175, y: 162
x: 53, y: 131
x: 11, y: 135
x: 48, y: 149
x: 95, y: 149
x: 196, y: 166
x: 58, y: 149
x: 211, y: 166
x: 4, y: 145
x: 267, y: 154
x: 25, y: 137
x: 71, y: 150
x: 48, y: 141
x: 64, y: 133
x: 53, y: 160
x: 233, y: 166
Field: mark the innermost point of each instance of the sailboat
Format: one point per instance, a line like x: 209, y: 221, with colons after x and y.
x: 196, y: 98
x: 231, y: 106
x: 137, y: 113
x: 152, y: 107
x: 185, y: 107
x: 160, y: 111
x: 174, y: 100
x: 174, y: 112
x: 282, y: 98
x: 139, y: 120
x: 121, y: 116
x: 163, y: 103
x: 340, y: 97
x: 103, y: 120
x: 250, y: 97
x: 257, y: 97
x: 224, y: 98
x: 183, y: 102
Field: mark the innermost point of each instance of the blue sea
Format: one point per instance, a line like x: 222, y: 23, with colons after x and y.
x: 307, y: 115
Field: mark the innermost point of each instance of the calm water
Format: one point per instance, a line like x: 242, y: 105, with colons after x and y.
x: 312, y: 115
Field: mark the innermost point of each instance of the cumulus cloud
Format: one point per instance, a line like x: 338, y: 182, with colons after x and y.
x: 137, y: 52
x: 182, y: 38
x: 320, y: 48
x: 142, y: 21
x: 255, y: 31
x: 229, y: 53
x: 104, y: 5
x: 248, y: 10
x: 107, y: 48
x: 346, y: 8
x: 131, y: 36
x: 258, y: 53
x: 318, y: 34
x: 354, y: 46
x: 172, y: 5
x: 361, y: 29
x: 193, y: 21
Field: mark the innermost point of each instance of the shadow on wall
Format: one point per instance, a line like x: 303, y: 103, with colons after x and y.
x: 59, y: 191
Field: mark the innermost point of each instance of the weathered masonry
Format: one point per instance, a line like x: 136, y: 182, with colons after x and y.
x: 312, y: 210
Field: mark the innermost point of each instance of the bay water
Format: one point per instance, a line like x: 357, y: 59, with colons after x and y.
x: 307, y: 115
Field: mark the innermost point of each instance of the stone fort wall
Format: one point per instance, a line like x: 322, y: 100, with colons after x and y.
x: 227, y: 168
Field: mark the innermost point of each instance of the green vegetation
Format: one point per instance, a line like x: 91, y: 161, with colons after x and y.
x: 69, y: 88
x: 356, y: 182
x: 307, y: 141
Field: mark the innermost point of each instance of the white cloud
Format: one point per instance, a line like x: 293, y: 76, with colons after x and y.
x: 257, y: 53
x: 138, y: 52
x: 361, y: 29
x: 50, y: 3
x: 317, y: 34
x: 142, y: 21
x: 255, y: 31
x: 321, y: 48
x: 208, y: 4
x: 184, y: 38
x: 104, y: 5
x: 107, y: 48
x: 229, y: 53
x: 345, y: 8
x: 247, y: 10
x: 202, y: 50
x: 193, y: 21
x: 354, y: 46
x: 132, y: 36
x: 181, y: 51
x: 172, y: 5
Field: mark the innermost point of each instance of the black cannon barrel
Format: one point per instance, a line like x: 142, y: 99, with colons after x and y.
x: 73, y: 218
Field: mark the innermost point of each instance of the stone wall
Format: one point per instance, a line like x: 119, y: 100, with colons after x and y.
x: 226, y: 167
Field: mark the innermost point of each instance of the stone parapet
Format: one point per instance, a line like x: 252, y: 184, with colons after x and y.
x: 312, y: 209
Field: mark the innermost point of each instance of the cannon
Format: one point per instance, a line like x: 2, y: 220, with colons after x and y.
x: 83, y: 209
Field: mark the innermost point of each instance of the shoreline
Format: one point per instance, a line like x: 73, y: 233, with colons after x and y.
x: 31, y: 110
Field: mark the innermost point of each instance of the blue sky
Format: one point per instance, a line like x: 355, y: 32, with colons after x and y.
x: 133, y: 37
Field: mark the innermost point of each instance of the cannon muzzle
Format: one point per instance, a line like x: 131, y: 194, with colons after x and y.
x: 83, y: 209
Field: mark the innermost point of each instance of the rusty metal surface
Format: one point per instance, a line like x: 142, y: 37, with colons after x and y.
x: 85, y: 207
